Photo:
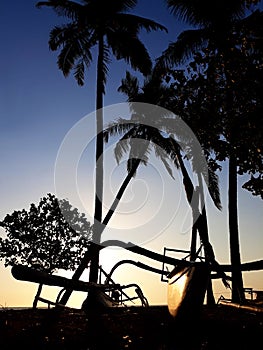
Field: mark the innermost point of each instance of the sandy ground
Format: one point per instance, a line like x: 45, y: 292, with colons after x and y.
x: 217, y: 328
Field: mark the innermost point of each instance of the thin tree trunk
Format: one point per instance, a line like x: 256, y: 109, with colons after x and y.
x: 210, y: 294
x: 120, y: 192
x: 237, y: 280
x: 94, y: 249
x: 77, y: 274
x: 193, y: 243
x: 199, y: 222
x: 94, y: 265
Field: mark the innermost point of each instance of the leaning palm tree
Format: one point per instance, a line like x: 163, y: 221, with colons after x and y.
x: 215, y: 22
x: 109, y: 26
x: 150, y: 138
x: 166, y: 148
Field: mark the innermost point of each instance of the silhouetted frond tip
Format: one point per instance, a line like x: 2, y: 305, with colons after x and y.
x: 61, y: 7
x: 129, y: 86
x: 79, y: 73
x: 134, y: 24
x: 188, y: 42
x: 213, y: 188
x: 123, y: 46
x: 117, y: 128
x: 122, y: 147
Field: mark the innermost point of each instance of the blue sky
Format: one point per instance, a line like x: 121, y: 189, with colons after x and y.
x: 39, y: 106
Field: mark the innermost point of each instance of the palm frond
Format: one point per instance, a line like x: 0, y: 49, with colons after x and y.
x: 107, y: 9
x: 175, y: 150
x: 131, y: 49
x: 188, y: 42
x: 183, y: 10
x: 130, y: 86
x: 117, y: 128
x: 152, y: 92
x: 134, y: 143
x: 203, y: 12
x: 66, y: 59
x: 79, y: 72
x: 133, y: 24
x: 139, y: 153
x: 213, y: 188
x: 124, y: 144
x: 163, y: 150
x: 122, y: 147
x: 174, y: 126
x: 204, y: 168
x: 188, y: 184
x: 161, y: 146
x: 75, y: 47
x: 69, y: 9
x: 59, y: 35
x: 122, y: 5
x: 163, y: 156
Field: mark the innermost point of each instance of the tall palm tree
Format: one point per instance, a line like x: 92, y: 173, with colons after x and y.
x: 214, y: 21
x: 109, y: 26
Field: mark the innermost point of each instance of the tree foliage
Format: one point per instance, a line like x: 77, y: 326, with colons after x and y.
x: 221, y: 96
x: 51, y: 235
x: 226, y: 114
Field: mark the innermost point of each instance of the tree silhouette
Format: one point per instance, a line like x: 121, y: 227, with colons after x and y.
x: 51, y: 235
x: 166, y: 147
x: 109, y: 26
x: 216, y: 23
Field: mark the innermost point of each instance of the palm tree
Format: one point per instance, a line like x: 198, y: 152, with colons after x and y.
x: 165, y: 147
x: 215, y: 21
x: 150, y: 138
x: 109, y: 26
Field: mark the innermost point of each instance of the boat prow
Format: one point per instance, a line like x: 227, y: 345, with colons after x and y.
x: 186, y: 290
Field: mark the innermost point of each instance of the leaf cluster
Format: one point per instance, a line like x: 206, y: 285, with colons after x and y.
x: 51, y: 235
x: 219, y: 95
x: 99, y: 22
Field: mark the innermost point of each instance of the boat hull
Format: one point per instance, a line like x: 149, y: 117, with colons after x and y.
x: 186, y: 290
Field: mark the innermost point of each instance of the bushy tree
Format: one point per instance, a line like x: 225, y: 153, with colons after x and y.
x: 51, y: 235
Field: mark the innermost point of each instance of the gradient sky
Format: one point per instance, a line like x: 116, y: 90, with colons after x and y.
x: 39, y: 106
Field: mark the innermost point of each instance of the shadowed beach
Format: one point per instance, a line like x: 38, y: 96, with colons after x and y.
x: 219, y: 327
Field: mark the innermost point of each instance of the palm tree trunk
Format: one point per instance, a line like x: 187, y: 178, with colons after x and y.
x: 120, y: 192
x: 77, y: 274
x: 94, y: 265
x: 210, y: 294
x: 199, y: 222
x: 193, y: 243
x: 237, y: 280
x: 94, y: 249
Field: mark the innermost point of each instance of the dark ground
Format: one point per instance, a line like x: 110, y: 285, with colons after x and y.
x: 218, y: 328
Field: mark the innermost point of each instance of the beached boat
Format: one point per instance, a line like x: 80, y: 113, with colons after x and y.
x: 186, y: 290
x: 103, y: 295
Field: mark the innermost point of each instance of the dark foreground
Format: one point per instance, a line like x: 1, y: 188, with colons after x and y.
x: 218, y: 328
